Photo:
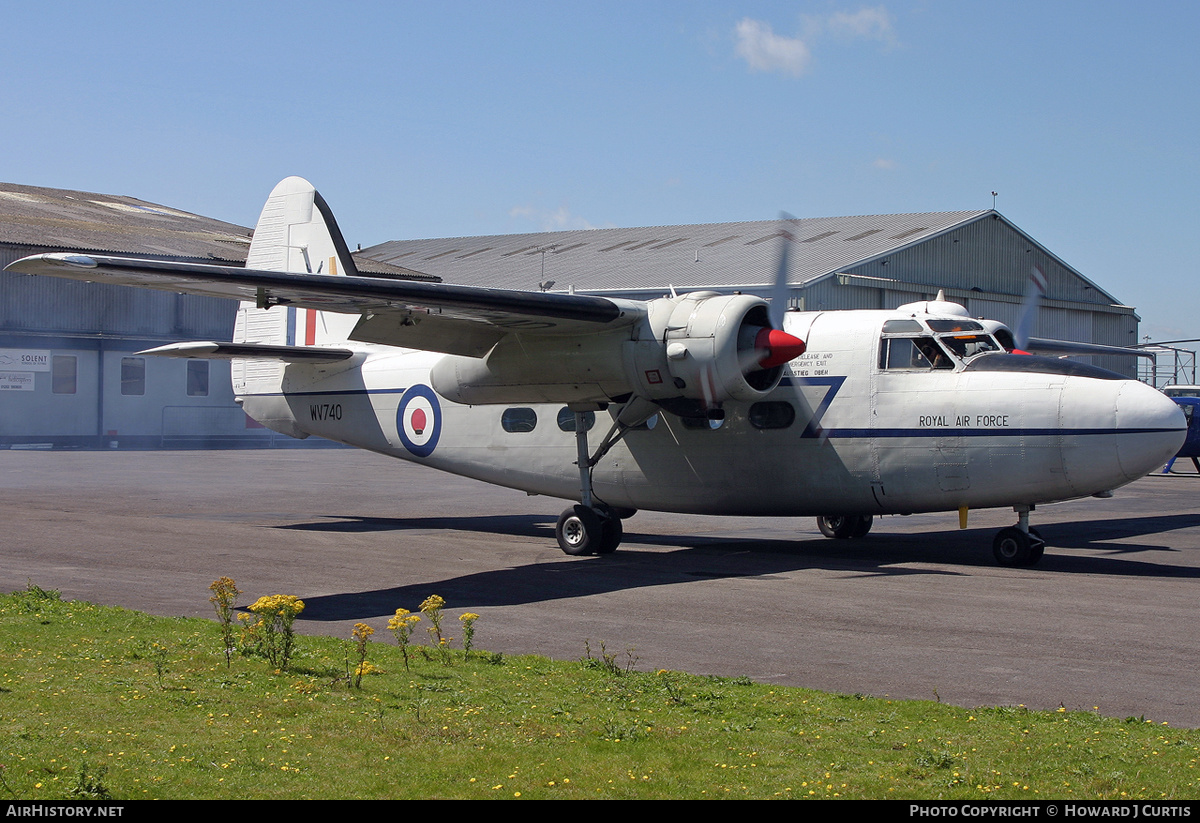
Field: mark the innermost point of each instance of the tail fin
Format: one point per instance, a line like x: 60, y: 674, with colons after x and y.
x: 295, y: 233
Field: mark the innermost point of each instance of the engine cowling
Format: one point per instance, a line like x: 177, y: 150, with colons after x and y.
x: 690, y: 354
x: 709, y: 348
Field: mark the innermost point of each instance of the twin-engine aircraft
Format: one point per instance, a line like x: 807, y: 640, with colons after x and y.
x: 705, y: 403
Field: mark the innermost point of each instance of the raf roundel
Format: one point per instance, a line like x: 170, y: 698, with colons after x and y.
x: 419, y: 420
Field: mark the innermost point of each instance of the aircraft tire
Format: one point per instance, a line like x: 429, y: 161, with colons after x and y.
x: 845, y: 527
x: 580, y: 531
x: 862, y: 527
x: 1013, y: 547
x: 611, y: 536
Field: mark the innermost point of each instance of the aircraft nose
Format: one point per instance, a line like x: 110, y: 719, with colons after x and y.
x: 1151, y: 428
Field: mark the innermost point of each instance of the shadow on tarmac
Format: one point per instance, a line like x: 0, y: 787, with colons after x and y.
x: 672, y: 559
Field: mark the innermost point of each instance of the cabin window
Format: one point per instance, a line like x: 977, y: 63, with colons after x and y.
x: 772, y: 414
x: 197, y: 378
x: 650, y: 423
x: 566, y: 420
x: 133, y: 376
x: 912, y: 354
x: 64, y: 369
x: 702, y: 423
x: 518, y: 420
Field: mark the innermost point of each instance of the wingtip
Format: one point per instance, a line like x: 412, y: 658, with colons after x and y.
x: 31, y: 264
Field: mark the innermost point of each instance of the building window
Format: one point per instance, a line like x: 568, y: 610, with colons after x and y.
x: 772, y: 414
x: 64, y: 369
x: 197, y: 378
x: 133, y: 376
x: 566, y: 420
x: 518, y: 420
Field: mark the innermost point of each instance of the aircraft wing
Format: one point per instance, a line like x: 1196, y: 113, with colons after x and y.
x: 455, y: 319
x: 1061, y: 348
x: 215, y: 350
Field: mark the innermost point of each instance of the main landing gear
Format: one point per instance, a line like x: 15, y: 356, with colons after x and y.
x: 591, y: 528
x: 845, y: 527
x: 584, y: 530
x: 1019, y: 545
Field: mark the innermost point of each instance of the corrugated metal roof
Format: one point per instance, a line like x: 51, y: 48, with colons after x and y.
x: 712, y: 255
x: 36, y: 218
x: 62, y: 218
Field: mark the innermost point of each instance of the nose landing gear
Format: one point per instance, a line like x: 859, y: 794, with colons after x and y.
x: 1018, y: 545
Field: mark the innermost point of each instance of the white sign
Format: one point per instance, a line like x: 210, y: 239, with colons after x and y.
x: 16, y: 381
x: 24, y: 360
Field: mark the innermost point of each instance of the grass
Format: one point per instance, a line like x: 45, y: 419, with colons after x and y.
x: 111, y: 704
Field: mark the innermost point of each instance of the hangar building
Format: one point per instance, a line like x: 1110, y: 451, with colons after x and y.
x: 69, y: 372
x: 70, y: 375
x: 979, y: 258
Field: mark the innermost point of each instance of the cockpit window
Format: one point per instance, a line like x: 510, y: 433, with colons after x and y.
x: 913, y: 354
x: 905, y: 326
x: 955, y: 325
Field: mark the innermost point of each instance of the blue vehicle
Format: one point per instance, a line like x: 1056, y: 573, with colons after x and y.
x: 1188, y: 399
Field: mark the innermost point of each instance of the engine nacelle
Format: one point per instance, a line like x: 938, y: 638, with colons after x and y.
x: 709, y: 348
x: 689, y: 355
x: 579, y: 369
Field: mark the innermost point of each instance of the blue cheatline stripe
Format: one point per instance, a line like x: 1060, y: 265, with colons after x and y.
x: 884, y: 433
x: 848, y: 434
x: 340, y: 393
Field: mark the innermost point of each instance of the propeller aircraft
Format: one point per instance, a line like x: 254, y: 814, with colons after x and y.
x: 706, y: 403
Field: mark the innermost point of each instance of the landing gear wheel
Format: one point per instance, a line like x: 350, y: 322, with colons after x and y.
x: 845, y: 527
x: 611, y: 536
x: 579, y: 531
x: 1013, y: 547
x: 862, y: 526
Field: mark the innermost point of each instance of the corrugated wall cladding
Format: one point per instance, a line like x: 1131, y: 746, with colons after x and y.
x: 46, y: 304
x: 53, y: 305
x: 985, y: 255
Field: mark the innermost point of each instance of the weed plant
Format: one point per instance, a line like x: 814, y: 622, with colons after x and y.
x: 90, y: 708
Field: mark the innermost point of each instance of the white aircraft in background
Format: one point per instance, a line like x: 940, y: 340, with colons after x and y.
x: 705, y: 403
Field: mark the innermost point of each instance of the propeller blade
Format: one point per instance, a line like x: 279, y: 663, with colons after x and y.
x: 1029, y: 307
x: 779, y: 290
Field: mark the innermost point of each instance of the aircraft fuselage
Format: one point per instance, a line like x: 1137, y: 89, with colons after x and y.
x: 848, y: 431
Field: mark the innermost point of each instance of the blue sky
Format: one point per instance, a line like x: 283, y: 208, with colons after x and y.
x: 466, y: 118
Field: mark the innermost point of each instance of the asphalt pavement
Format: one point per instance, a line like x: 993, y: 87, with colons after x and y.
x: 918, y: 609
